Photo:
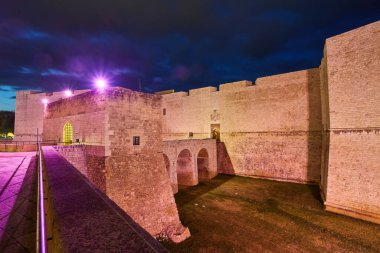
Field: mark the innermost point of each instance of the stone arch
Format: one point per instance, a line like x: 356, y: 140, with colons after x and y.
x: 67, y: 134
x: 203, y: 164
x: 185, y: 168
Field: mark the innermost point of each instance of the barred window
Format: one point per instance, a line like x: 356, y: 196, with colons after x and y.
x: 68, y: 133
x: 136, y: 140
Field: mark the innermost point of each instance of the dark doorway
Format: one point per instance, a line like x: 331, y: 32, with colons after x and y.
x: 215, y: 131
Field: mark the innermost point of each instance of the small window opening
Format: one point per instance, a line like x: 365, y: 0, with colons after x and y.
x: 164, y: 111
x: 191, y: 134
x: 136, y: 140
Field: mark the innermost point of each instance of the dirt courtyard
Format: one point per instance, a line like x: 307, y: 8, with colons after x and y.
x: 238, y: 214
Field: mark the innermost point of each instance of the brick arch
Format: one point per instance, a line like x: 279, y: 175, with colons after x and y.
x: 173, y: 149
x: 68, y: 133
x: 203, y: 164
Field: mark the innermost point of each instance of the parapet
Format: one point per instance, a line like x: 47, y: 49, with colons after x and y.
x: 176, y: 94
x: 164, y: 92
x: 285, y: 78
x: 235, y: 85
x: 205, y: 90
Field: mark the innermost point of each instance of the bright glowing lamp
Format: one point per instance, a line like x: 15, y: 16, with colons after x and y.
x: 101, y: 83
x: 45, y: 101
x: 68, y: 93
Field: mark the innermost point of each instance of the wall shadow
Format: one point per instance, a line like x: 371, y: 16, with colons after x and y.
x: 184, y: 197
x: 314, y: 133
x: 224, y: 163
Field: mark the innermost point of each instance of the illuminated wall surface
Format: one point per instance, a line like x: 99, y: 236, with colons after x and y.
x: 29, y: 112
x: 132, y: 174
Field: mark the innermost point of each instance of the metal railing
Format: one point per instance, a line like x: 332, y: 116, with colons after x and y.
x: 17, y: 146
x: 41, y: 221
x: 22, y: 143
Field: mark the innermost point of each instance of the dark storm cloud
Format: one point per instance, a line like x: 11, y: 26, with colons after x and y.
x: 51, y: 45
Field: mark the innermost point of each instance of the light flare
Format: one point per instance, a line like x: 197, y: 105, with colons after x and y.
x: 101, y: 83
x: 68, y: 93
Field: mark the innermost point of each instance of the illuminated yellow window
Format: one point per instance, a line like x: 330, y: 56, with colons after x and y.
x: 68, y: 133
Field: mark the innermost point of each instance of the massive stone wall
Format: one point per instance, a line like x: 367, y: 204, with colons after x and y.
x: 30, y: 112
x: 186, y: 113
x: 352, y: 70
x: 136, y: 176
x: 271, y: 130
x: 86, y: 112
x: 89, y: 160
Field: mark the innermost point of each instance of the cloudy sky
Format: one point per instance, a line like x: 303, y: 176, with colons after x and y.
x: 50, y: 45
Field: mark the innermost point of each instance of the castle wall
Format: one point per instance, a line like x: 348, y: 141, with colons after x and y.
x: 133, y: 176
x: 89, y: 160
x: 189, y: 113
x: 270, y: 130
x: 353, y: 72
x: 29, y: 113
x: 86, y: 113
x: 136, y: 176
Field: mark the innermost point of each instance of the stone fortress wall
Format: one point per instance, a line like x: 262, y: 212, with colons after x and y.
x: 351, y: 118
x: 29, y: 113
x: 131, y: 175
x: 271, y: 129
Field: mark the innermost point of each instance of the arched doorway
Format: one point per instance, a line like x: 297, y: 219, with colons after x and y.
x: 67, y: 137
x: 167, y: 164
x: 203, y: 164
x: 185, y: 168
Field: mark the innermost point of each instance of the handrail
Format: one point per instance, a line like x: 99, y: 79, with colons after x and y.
x: 41, y: 223
x: 26, y: 142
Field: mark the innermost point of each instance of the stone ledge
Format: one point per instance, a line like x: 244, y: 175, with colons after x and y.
x: 355, y: 213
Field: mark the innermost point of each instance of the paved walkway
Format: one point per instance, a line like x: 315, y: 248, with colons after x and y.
x: 17, y: 202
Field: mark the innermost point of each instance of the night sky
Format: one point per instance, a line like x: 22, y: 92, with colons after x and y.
x: 54, y: 44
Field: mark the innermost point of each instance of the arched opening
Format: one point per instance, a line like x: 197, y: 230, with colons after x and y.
x: 167, y: 164
x: 185, y: 168
x: 67, y: 137
x: 203, y: 164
